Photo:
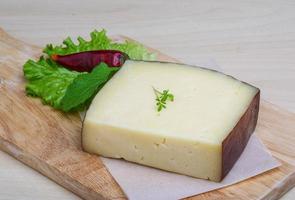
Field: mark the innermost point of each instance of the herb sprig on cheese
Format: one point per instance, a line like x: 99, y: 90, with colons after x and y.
x: 162, y: 98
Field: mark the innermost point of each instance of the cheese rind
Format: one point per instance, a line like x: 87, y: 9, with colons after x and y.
x: 187, y: 137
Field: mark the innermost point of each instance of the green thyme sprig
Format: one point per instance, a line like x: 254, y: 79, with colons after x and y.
x: 162, y: 97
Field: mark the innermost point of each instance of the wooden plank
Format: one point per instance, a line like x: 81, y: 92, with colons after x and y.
x: 50, y: 141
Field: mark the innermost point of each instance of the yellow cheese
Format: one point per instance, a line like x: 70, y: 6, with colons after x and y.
x: 186, y: 137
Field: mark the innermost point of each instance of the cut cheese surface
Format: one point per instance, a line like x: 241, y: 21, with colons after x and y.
x: 186, y: 137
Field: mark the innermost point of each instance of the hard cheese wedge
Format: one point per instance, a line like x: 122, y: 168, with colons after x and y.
x: 201, y: 133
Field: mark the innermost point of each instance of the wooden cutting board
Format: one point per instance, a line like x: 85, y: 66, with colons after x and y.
x: 50, y: 141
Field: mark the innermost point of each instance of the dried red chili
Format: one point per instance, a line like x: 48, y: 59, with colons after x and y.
x: 86, y: 61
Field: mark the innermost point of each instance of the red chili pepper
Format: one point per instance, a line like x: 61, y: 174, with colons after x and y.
x: 86, y: 61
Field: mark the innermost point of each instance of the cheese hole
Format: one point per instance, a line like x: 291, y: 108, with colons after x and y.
x: 190, y: 152
x: 135, y: 148
x: 164, y: 141
x: 156, y: 145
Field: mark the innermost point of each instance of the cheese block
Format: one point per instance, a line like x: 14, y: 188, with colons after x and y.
x: 200, y: 134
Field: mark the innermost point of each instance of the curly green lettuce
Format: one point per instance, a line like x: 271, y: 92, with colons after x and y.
x: 48, y: 80
x: 100, y: 41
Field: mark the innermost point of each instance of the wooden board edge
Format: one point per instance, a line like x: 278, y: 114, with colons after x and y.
x: 281, y: 188
x: 48, y: 171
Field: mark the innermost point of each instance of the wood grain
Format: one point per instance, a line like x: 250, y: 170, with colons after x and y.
x: 50, y: 141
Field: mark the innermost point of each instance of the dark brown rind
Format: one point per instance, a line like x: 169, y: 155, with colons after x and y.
x: 236, y: 141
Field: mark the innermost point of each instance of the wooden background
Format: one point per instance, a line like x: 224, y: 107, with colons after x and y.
x: 252, y: 40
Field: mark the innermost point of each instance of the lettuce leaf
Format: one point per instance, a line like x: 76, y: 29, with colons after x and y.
x: 100, y: 41
x: 48, y: 80
x: 64, y: 89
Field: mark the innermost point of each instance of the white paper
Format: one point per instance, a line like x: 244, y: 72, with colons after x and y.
x: 145, y: 183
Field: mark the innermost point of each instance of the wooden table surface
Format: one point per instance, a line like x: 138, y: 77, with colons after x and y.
x: 252, y: 40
